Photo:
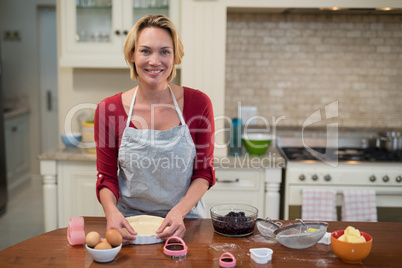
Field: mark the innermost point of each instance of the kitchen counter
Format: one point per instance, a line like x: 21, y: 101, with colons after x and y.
x: 271, y: 159
x: 204, y: 249
x: 68, y: 154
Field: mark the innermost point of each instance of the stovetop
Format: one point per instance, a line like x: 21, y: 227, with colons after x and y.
x: 342, y: 154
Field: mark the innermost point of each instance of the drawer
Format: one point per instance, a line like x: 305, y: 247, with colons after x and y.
x: 238, y: 179
x: 244, y: 186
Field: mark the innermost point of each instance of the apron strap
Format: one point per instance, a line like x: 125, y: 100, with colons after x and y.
x: 131, y: 108
x: 177, y: 107
x: 174, y: 102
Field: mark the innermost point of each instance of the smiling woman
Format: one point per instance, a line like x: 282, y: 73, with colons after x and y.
x: 160, y: 23
x: 154, y: 142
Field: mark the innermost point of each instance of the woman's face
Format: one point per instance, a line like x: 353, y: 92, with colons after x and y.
x: 154, y: 56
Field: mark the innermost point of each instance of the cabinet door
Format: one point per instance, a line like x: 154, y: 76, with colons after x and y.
x: 21, y: 146
x: 91, y: 33
x: 17, y: 149
x: 237, y: 186
x: 77, y: 191
x: 139, y: 8
x: 9, y: 132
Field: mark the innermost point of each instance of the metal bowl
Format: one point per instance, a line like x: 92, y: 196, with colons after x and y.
x: 301, y: 235
x: 267, y: 227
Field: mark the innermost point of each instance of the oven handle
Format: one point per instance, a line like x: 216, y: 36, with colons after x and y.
x: 377, y: 193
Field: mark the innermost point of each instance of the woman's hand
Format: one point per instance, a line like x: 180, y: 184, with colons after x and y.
x: 117, y: 221
x: 174, y: 219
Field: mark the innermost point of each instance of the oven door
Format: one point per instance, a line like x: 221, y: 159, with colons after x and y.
x: 389, y: 201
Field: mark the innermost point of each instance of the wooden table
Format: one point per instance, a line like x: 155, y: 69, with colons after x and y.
x: 205, y: 247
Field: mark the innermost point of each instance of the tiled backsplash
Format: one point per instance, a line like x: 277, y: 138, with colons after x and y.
x: 295, y: 64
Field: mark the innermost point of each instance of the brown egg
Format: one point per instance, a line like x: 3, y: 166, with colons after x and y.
x: 114, y: 237
x: 92, y: 239
x: 103, y: 245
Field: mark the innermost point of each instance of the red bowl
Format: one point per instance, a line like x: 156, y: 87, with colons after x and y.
x: 351, y: 252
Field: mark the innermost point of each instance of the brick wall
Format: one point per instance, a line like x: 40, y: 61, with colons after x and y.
x: 295, y: 64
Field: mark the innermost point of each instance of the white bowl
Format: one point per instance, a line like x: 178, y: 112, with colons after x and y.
x: 257, y: 136
x: 103, y: 255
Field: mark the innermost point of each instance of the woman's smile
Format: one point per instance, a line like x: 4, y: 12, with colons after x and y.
x: 154, y: 72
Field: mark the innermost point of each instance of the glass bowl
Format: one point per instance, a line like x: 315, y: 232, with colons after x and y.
x: 234, y: 220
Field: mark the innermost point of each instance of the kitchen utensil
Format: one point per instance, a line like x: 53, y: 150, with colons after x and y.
x: 88, y: 140
x: 267, y: 227
x: 301, y: 235
x: 248, y: 114
x: 326, y: 239
x: 256, y: 143
x: 175, y: 248
x: 234, y: 220
x: 351, y: 252
x: 261, y: 255
x: 235, y: 137
x: 75, y: 231
x: 227, y: 260
x: 390, y: 141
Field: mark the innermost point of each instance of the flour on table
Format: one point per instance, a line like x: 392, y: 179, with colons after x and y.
x: 224, y: 247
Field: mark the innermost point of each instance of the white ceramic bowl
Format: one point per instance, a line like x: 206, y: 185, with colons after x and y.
x: 103, y: 255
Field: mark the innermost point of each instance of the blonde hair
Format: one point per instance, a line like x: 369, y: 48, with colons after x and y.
x: 157, y: 21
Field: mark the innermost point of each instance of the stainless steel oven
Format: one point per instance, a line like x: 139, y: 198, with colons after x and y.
x: 356, y: 168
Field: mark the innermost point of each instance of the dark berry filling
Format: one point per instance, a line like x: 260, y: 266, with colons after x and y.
x: 234, y: 224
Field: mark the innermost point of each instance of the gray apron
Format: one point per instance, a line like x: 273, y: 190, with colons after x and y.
x: 156, y: 167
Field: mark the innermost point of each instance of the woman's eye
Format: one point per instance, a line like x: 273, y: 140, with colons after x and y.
x: 145, y: 51
x: 165, y: 52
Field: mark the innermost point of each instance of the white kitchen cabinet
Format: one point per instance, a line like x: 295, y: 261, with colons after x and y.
x: 17, y: 151
x: 69, y: 191
x: 77, y: 194
x: 93, y: 34
x: 244, y: 186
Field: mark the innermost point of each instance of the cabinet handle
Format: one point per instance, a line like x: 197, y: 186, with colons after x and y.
x: 125, y: 32
x: 49, y: 100
x: 117, y: 32
x: 228, y: 180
